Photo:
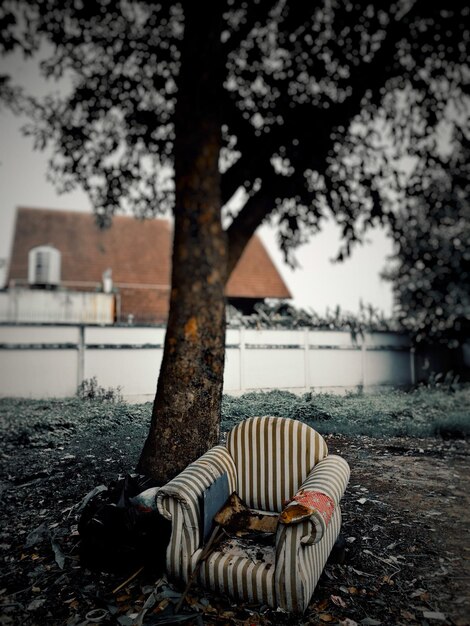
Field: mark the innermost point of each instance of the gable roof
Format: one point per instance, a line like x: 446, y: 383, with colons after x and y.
x: 137, y: 251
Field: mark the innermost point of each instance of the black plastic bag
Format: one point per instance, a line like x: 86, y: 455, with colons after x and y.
x: 117, y: 536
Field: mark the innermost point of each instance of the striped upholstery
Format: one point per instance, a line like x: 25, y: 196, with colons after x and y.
x: 273, y: 456
x: 330, y: 477
x: 299, y: 566
x: 179, y: 501
x: 267, y: 460
x: 299, y: 561
x: 240, y: 577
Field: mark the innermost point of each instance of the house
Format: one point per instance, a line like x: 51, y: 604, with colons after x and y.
x: 65, y: 252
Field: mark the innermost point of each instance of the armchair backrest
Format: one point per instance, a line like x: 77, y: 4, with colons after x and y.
x: 273, y: 456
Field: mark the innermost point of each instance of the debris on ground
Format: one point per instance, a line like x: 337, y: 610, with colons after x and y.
x: 406, y: 527
x: 120, y: 528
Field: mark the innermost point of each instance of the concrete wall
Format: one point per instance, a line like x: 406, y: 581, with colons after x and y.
x: 51, y: 361
x: 61, y: 307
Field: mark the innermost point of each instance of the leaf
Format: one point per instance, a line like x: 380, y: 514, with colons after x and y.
x: 326, y: 617
x: 150, y: 601
x: 123, y: 598
x: 139, y: 619
x: 338, y: 600
x: 58, y: 554
x: 322, y: 604
x: 370, y: 621
x: 361, y: 573
x: 36, y: 604
x: 169, y: 593
x: 37, y: 535
x: 362, y: 500
x: 411, y: 617
x: 437, y: 615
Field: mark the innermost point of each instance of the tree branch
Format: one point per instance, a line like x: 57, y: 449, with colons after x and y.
x: 244, y: 225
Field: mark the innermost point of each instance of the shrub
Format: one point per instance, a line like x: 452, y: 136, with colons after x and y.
x: 448, y: 382
x: 90, y: 390
x: 454, y: 426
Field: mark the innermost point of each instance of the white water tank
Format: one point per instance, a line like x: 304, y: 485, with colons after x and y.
x: 107, y: 279
x: 44, y: 266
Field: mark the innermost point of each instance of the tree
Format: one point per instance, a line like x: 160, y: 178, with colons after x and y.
x: 430, y: 269
x: 307, y: 108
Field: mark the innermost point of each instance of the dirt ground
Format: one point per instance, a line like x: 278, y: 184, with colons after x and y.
x: 420, y: 488
x: 406, y: 522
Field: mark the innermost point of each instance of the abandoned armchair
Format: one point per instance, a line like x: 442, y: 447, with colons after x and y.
x: 275, y: 465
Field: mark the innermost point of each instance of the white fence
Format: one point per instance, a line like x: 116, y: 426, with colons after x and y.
x: 51, y: 361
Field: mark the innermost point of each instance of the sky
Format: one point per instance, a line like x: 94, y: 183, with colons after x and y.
x: 317, y: 284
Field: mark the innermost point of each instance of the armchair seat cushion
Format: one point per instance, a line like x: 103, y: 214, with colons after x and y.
x: 239, y: 576
x: 250, y: 548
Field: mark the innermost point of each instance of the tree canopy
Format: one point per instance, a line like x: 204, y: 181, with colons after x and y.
x: 430, y: 270
x: 319, y: 103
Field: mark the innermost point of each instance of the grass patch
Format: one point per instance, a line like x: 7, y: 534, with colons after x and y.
x: 423, y: 412
x: 454, y: 426
x: 56, y: 421
x: 419, y: 413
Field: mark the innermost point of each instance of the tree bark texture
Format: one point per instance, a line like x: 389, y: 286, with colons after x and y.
x: 186, y: 411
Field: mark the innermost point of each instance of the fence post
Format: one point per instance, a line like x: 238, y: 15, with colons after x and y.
x: 363, y: 362
x: 306, y: 360
x: 412, y: 366
x: 81, y: 355
x: 242, y: 358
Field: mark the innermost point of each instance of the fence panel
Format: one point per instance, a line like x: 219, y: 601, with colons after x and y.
x: 45, y: 373
x: 387, y: 367
x: 129, y: 358
x: 232, y: 373
x: 275, y: 368
x: 45, y: 361
x: 135, y: 371
x: 38, y: 361
x: 335, y: 367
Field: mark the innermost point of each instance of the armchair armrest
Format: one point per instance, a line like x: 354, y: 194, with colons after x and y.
x: 303, y: 548
x: 321, y: 491
x: 180, y: 501
x: 330, y: 476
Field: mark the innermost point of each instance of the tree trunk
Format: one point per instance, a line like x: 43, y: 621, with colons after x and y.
x: 186, y: 410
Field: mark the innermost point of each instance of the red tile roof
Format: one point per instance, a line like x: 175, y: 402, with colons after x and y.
x: 139, y: 254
